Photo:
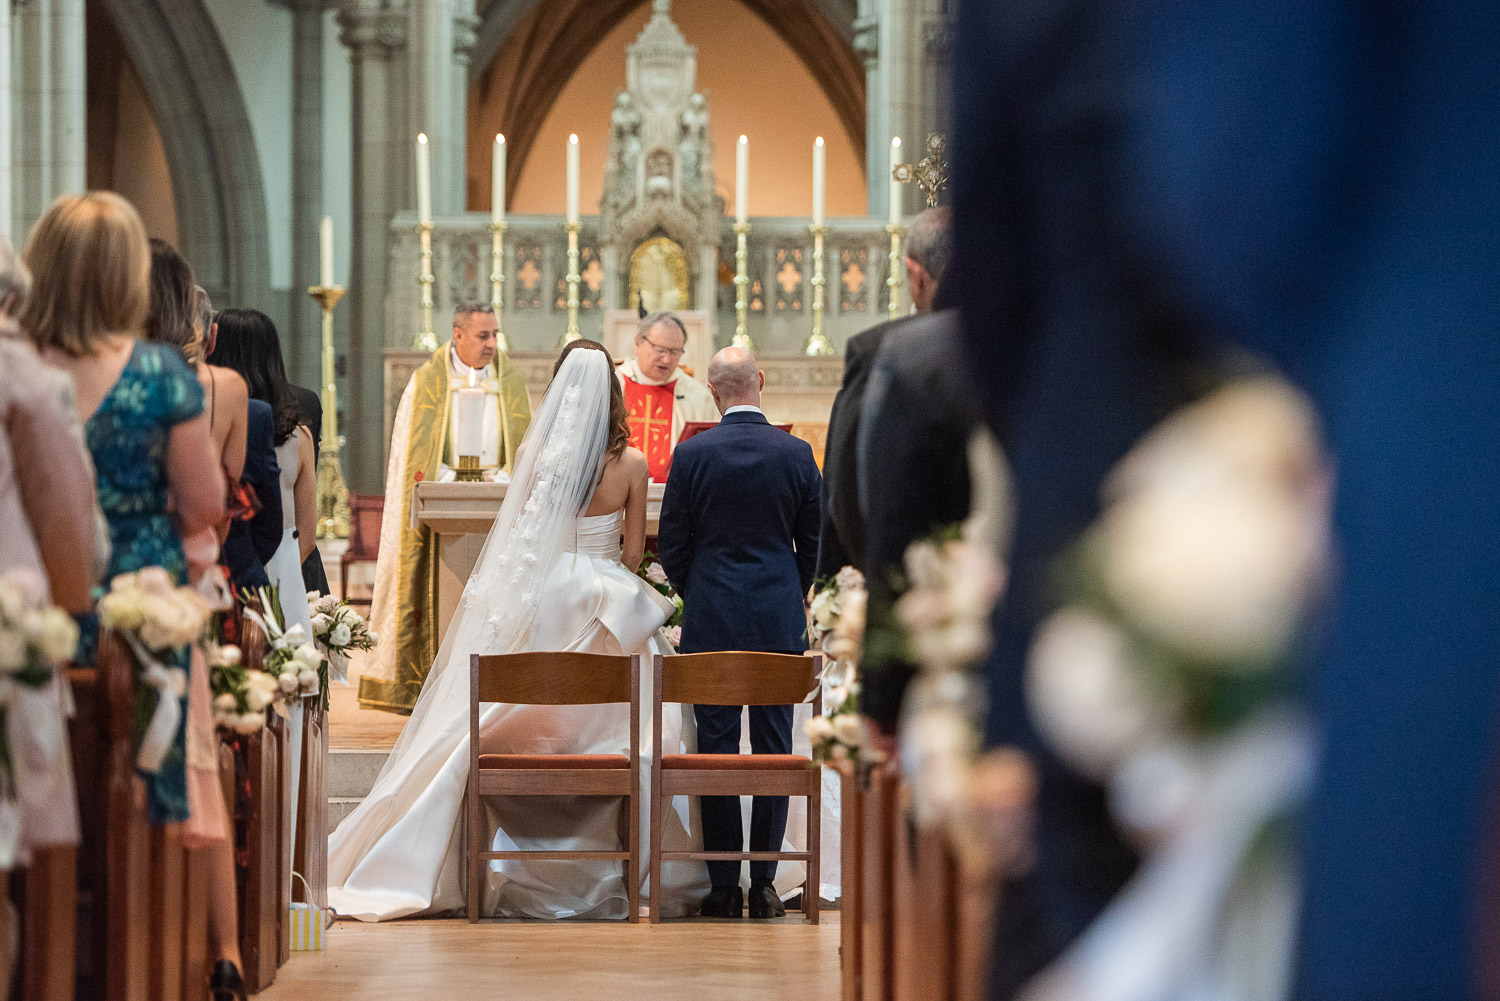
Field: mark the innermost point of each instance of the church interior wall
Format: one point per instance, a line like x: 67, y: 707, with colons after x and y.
x: 756, y: 84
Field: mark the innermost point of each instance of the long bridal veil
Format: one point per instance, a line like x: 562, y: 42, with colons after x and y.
x: 557, y: 468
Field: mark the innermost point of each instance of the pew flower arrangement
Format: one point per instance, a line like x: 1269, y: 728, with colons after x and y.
x: 338, y: 629
x: 1167, y: 675
x: 155, y: 618
x: 241, y: 694
x: 838, y: 627
x: 35, y: 637
x: 653, y: 573
x: 291, y: 656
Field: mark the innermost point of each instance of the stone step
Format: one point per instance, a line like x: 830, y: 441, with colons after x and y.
x: 352, y: 773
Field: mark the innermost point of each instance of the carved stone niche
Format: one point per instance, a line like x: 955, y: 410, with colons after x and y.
x: 659, y: 175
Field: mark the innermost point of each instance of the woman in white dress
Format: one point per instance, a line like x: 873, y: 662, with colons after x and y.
x: 551, y: 576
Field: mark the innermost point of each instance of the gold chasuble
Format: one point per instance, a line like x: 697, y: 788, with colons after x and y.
x: 658, y: 411
x: 403, y: 609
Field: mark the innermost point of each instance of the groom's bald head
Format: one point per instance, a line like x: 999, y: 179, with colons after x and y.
x: 734, y: 379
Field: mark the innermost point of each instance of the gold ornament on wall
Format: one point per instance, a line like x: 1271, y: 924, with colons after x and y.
x: 659, y: 275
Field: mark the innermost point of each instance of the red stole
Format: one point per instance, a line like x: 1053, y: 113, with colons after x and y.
x: 650, y: 409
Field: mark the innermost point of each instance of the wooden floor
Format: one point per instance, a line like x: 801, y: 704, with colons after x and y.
x: 595, y: 961
x: 351, y: 728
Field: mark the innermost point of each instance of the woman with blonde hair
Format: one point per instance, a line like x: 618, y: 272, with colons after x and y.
x: 156, y: 467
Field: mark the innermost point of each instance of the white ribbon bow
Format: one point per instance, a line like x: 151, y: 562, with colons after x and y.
x: 171, y: 685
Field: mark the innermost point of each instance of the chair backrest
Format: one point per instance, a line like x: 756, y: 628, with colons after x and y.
x: 737, y: 678
x: 365, y: 514
x: 553, y: 679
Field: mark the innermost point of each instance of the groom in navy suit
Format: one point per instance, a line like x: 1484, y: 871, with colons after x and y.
x: 738, y: 539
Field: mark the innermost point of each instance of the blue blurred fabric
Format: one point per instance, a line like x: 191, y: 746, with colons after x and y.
x: 1141, y: 187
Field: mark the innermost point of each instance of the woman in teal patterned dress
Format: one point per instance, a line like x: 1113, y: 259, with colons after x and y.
x: 142, y: 407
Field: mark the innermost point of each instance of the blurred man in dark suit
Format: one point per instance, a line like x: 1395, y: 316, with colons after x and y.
x: 1315, y: 181
x: 842, y: 533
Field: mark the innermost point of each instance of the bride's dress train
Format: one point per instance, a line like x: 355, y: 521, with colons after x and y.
x: 400, y: 852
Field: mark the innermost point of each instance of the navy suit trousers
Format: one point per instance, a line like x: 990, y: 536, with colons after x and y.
x: 719, y: 733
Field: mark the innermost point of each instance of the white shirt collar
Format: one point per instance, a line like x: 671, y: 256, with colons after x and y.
x: 745, y: 408
x: 460, y: 368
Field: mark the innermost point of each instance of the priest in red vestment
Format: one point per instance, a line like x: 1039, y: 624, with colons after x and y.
x: 659, y: 395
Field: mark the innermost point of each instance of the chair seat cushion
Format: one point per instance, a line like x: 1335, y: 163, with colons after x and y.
x: 742, y: 762
x: 553, y: 761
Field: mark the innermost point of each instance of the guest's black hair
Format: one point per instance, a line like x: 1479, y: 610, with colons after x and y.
x: 249, y: 344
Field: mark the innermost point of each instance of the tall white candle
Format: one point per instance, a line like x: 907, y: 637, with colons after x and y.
x: 325, y: 252
x: 819, y: 170
x: 468, y: 418
x: 741, y: 179
x: 895, y: 184
x: 572, y: 178
x: 497, y: 182
x: 424, y: 180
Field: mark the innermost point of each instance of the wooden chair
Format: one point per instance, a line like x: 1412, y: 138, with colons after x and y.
x: 734, y: 679
x: 365, y: 514
x: 554, y: 679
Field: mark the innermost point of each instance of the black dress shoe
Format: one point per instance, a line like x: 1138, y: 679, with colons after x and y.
x: 764, y: 901
x: 723, y: 902
x: 226, y: 983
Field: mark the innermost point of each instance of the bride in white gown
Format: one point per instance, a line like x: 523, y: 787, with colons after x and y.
x: 550, y: 577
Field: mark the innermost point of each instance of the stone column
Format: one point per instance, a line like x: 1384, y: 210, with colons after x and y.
x: 376, y: 37
x: 7, y: 221
x: 465, y: 33
x: 69, y: 114
x: 32, y: 127
x: 877, y: 128
x: 306, y: 334
x: 912, y: 42
x: 429, y: 70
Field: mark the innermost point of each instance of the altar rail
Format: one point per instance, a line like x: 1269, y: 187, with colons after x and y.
x: 780, y: 269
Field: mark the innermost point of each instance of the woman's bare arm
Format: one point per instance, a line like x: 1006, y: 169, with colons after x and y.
x: 305, y: 493
x: 634, y: 467
x: 194, y: 476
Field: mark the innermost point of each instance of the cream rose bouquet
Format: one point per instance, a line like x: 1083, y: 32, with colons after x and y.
x: 838, y: 626
x: 241, y: 694
x: 827, y: 607
x: 156, y: 619
x: 34, y: 636
x: 291, y: 657
x: 338, y: 629
x: 653, y: 573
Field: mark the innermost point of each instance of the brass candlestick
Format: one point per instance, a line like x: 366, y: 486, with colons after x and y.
x: 741, y: 288
x: 425, y: 340
x: 817, y: 341
x: 333, y: 493
x: 497, y: 282
x: 468, y: 469
x: 893, y: 280
x: 573, y: 279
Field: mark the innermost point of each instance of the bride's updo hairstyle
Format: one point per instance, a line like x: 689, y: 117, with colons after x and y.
x: 619, y: 423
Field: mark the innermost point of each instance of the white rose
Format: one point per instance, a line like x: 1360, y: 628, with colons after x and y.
x: 824, y: 609
x: 256, y: 699
x: 58, y: 637
x: 308, y: 681
x: 819, y: 729
x: 154, y: 581
x: 12, y: 650
x: 340, y: 636
x: 229, y: 655
x: 373, y: 637
x: 849, y: 729
x: 1086, y: 697
x: 226, y: 703
x: 313, y: 597
x: 288, y: 682
x: 1218, y: 569
x: 320, y: 623
x: 251, y: 722
x: 656, y: 573
x: 124, y: 582
x: 122, y: 610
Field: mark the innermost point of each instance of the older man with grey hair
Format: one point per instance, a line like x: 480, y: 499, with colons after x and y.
x: 660, y: 396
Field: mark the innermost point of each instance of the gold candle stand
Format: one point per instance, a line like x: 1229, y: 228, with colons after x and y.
x: 425, y: 340
x: 333, y: 493
x: 741, y: 288
x: 573, y: 279
x: 817, y: 341
x: 893, y: 280
x: 497, y: 282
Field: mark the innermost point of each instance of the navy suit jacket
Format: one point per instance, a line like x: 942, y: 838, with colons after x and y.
x: 739, y: 536
x: 252, y: 543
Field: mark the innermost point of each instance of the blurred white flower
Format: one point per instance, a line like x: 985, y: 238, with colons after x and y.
x: 58, y: 636
x: 251, y: 722
x: 656, y: 573
x: 288, y: 682
x: 307, y: 680
x: 1086, y: 697
x: 819, y: 729
x: 340, y: 635
x: 12, y: 651
x: 295, y: 635
x: 1155, y: 789
x: 825, y: 609
x: 849, y: 729
x: 850, y: 579
x: 154, y: 581
x: 225, y: 703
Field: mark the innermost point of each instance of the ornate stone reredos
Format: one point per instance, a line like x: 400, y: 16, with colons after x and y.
x: 659, y: 175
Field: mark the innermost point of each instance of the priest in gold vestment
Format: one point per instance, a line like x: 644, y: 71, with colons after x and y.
x: 660, y: 397
x: 403, y: 610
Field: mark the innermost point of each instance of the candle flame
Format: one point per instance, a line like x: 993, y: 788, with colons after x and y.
x: 744, y: 139
x: 499, y: 138
x: 573, y: 138
x: 473, y: 377
x: 819, y: 141
x: 421, y: 137
x: 895, y: 142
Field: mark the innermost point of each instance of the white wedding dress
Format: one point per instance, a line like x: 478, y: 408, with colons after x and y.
x: 547, y: 579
